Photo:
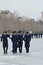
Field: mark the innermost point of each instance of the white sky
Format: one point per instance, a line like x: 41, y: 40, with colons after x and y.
x: 28, y: 8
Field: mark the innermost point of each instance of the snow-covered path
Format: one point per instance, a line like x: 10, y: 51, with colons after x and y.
x: 34, y: 57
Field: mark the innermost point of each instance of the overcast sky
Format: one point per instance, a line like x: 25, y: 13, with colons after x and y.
x: 28, y: 8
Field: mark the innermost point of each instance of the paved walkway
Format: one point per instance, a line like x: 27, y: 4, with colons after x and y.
x: 34, y: 57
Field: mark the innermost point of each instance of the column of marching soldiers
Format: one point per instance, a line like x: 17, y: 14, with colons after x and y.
x: 17, y: 41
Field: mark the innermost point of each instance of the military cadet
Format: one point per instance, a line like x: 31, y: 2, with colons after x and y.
x: 20, y: 41
x: 5, y: 42
x: 27, y: 39
x: 14, y: 41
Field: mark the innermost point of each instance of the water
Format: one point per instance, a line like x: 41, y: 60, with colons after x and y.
x: 34, y: 57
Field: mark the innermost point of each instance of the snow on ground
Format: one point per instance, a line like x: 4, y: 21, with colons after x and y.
x: 34, y: 57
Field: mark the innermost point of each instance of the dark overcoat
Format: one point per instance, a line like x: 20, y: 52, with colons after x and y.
x: 20, y: 40
x: 5, y: 40
x: 27, y: 40
x: 14, y: 40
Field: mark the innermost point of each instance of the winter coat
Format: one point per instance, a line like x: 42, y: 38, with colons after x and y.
x: 27, y: 40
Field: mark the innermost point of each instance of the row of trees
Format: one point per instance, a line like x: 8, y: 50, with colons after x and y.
x: 11, y: 21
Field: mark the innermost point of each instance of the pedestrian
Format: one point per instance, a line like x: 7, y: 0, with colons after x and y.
x: 14, y: 42
x: 5, y: 42
x: 27, y: 39
x: 20, y: 41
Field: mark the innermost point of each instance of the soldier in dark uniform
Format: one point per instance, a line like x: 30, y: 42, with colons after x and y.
x: 27, y: 39
x: 20, y: 41
x: 5, y: 41
x: 14, y: 41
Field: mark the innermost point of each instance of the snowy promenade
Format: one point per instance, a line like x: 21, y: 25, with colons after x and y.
x: 34, y: 57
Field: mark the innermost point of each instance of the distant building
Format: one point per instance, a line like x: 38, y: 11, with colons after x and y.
x: 41, y: 16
